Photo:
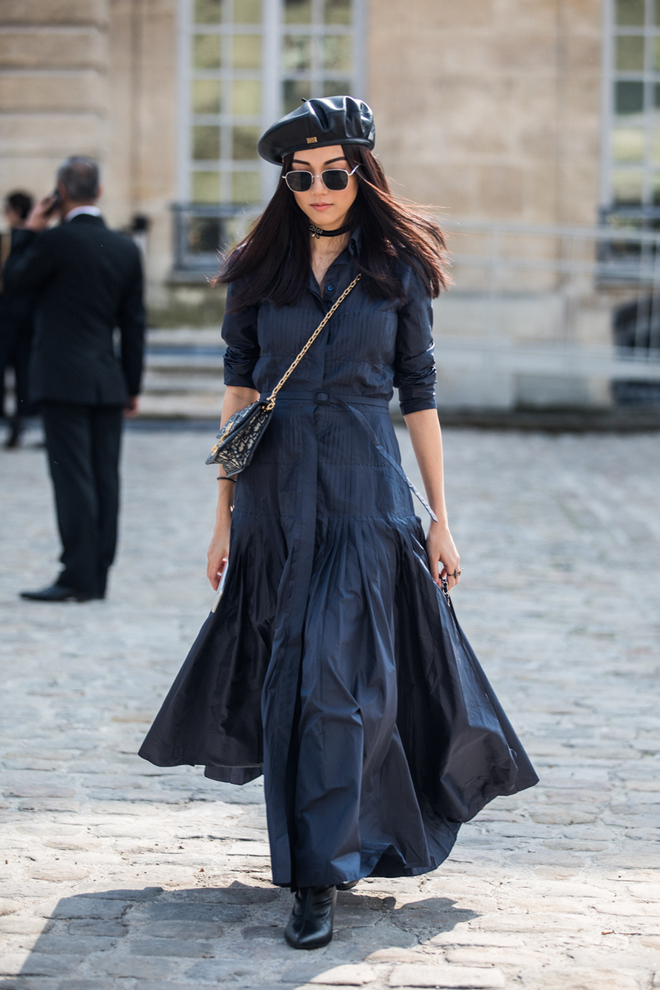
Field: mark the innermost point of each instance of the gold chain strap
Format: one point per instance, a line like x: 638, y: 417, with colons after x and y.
x: 273, y: 395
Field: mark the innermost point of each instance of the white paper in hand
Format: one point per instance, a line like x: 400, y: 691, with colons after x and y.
x: 221, y: 587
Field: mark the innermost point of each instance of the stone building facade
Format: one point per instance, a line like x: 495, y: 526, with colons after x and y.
x: 489, y: 109
x: 516, y: 119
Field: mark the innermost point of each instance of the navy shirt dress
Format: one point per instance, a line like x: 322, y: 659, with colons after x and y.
x: 334, y: 665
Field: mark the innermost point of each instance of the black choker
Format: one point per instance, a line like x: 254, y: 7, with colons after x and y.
x: 318, y: 232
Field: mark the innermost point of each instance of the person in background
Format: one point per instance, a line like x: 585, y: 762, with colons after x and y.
x: 88, y: 281
x: 16, y: 324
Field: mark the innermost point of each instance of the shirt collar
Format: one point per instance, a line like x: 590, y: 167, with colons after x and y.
x: 92, y: 211
x: 355, y: 243
x: 351, y: 251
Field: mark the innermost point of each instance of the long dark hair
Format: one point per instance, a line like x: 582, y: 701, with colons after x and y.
x: 272, y: 262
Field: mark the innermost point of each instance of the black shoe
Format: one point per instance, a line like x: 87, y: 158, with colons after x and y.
x: 14, y: 439
x: 57, y: 593
x: 348, y: 885
x: 310, y: 924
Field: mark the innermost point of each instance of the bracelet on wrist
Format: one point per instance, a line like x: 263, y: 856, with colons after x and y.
x: 221, y: 477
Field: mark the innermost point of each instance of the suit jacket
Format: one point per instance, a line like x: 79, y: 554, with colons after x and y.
x: 16, y: 309
x: 88, y: 281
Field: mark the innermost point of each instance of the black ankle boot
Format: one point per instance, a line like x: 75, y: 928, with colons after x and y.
x: 310, y: 924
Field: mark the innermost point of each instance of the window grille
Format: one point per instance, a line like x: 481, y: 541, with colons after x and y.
x: 244, y: 63
x: 632, y: 145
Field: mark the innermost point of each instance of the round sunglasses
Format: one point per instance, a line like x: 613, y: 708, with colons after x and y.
x: 332, y: 178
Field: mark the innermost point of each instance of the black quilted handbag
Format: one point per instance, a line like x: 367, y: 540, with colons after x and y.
x: 240, y: 435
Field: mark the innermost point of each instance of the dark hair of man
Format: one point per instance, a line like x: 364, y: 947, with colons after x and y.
x: 80, y: 178
x: 272, y: 261
x: 19, y: 202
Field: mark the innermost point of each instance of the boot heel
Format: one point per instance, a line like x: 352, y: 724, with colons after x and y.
x: 310, y: 924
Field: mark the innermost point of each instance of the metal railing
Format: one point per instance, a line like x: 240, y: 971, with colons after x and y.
x: 529, y: 299
x: 203, y: 231
x: 554, y: 300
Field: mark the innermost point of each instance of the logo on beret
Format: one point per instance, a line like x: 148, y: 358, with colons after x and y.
x: 312, y: 140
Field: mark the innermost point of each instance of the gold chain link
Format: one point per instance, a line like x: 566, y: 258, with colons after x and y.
x: 273, y: 395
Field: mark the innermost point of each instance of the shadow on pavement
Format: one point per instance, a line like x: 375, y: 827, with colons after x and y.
x: 186, y: 938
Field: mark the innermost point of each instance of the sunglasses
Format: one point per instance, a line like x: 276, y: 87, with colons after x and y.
x: 332, y: 178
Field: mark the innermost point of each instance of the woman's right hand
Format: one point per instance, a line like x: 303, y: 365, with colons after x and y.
x: 235, y: 398
x: 218, y: 553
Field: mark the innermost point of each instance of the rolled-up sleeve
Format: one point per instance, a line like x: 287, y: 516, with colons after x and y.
x: 414, y: 364
x: 239, y: 331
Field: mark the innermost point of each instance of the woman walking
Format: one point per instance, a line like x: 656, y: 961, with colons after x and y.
x: 334, y: 663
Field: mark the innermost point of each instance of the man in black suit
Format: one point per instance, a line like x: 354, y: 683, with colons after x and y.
x: 88, y: 281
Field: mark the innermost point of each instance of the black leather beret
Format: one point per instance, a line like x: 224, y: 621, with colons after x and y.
x: 318, y: 123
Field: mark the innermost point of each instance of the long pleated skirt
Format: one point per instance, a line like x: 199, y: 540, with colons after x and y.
x: 335, y: 666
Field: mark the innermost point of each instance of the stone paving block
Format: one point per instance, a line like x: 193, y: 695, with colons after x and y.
x: 182, y: 911
x: 129, y: 896
x: 38, y: 964
x: 632, y: 956
x: 368, y: 940
x: 346, y: 976
x: 551, y: 978
x: 31, y: 983
x: 170, y: 947
x: 11, y: 963
x: 8, y: 906
x: 14, y: 925
x: 519, y: 956
x: 96, y: 926
x: 416, y: 975
x: 181, y: 929
x: 91, y: 983
x: 322, y: 971
x: 555, y: 643
x: 229, y: 970
x: 168, y: 985
x: 645, y: 892
x: 57, y: 873
x: 35, y: 791
x: 257, y: 932
x: 391, y: 954
x: 537, y: 923
x: 87, y: 908
x: 630, y: 909
x: 134, y: 967
x: 55, y: 945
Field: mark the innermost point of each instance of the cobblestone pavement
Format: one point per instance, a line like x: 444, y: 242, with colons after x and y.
x: 116, y: 874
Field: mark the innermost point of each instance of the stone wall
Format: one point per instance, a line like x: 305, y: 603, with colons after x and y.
x: 487, y: 109
x: 53, y: 89
x: 490, y: 108
x: 96, y: 78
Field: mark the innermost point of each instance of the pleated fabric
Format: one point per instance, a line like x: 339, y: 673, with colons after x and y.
x: 333, y: 664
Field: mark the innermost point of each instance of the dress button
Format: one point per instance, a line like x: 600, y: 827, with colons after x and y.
x: 329, y: 288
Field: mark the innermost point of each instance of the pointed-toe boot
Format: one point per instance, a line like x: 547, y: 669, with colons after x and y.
x: 310, y: 924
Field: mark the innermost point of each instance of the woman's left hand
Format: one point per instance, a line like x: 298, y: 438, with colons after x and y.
x: 444, y: 560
